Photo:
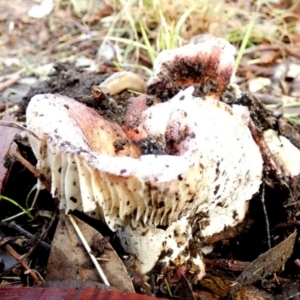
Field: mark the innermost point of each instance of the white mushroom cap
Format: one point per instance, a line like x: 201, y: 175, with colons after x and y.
x: 213, y: 167
x: 206, y: 62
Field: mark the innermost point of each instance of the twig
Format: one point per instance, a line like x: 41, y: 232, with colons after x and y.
x: 9, y: 82
x: 15, y: 278
x: 31, y: 168
x: 32, y: 273
x: 227, y: 264
x: 88, y: 249
x: 29, y: 235
x: 262, y: 198
x: 16, y: 125
x: 287, y: 49
x: 42, y: 235
x: 265, y: 152
x: 15, y: 216
x: 258, y: 70
x: 8, y: 239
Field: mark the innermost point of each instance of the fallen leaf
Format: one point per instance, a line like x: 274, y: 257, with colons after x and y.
x: 7, y: 135
x: 291, y: 290
x: 252, y: 293
x: 268, y: 263
x: 185, y: 290
x: 69, y: 261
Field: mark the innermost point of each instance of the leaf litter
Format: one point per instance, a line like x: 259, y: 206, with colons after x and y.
x: 68, y: 259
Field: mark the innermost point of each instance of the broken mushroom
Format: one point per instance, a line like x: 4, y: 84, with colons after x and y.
x: 207, y: 168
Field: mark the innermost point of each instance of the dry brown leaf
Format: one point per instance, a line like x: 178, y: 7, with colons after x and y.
x: 290, y: 290
x: 252, y: 293
x: 69, y: 261
x: 7, y: 135
x: 268, y: 263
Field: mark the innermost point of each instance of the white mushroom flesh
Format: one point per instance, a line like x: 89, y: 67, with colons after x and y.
x: 214, y: 168
x: 211, y: 166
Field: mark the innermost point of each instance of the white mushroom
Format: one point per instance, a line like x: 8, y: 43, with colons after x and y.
x: 211, y: 167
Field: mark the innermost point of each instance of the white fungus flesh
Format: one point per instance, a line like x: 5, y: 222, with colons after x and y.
x: 212, y: 168
x: 209, y: 169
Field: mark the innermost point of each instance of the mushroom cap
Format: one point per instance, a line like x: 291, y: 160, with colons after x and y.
x: 206, y: 63
x: 211, y: 165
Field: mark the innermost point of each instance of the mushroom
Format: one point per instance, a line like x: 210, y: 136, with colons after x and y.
x: 151, y: 200
x: 208, y: 168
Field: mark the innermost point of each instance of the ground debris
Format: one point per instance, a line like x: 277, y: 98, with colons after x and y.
x: 252, y: 293
x: 266, y: 264
x: 290, y: 291
x: 69, y: 261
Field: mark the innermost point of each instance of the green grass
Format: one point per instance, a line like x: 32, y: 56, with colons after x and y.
x: 148, y: 27
x: 23, y: 209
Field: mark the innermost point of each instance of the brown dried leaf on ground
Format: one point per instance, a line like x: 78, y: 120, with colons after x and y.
x: 69, y: 261
x: 252, y: 293
x: 290, y: 290
x: 268, y: 263
x: 7, y: 135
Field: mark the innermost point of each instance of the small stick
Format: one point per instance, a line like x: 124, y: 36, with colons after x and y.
x: 288, y: 50
x: 88, y: 249
x: 42, y: 236
x: 16, y: 125
x: 9, y: 82
x: 30, y: 167
x: 265, y: 151
x: 33, y: 274
x: 262, y: 198
x: 227, y: 264
x: 29, y: 235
